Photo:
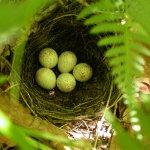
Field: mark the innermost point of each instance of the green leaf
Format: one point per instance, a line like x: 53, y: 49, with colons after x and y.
x: 139, y: 59
x: 112, y: 40
x: 114, y: 51
x: 123, y: 137
x: 118, y: 60
x: 108, y: 27
x: 138, y: 29
x: 79, y: 143
x: 145, y: 99
x: 15, y: 16
x: 139, y: 68
x: 96, y: 7
x: 118, y: 70
x: 108, y: 16
x: 17, y: 67
x: 92, y: 8
x: 139, y: 10
x: 120, y: 80
x: 3, y: 78
x: 139, y: 48
x: 7, y: 21
x: 10, y: 131
x: 139, y: 37
x: 144, y: 120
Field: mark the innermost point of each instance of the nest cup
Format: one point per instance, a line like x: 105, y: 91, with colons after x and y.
x: 61, y: 31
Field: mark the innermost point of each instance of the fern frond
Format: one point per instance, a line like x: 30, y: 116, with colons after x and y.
x: 119, y: 70
x: 107, y: 27
x: 112, y: 40
x: 107, y: 16
x: 128, y: 41
x: 120, y: 81
x: 127, y: 47
x: 117, y: 60
x: 92, y: 8
x: 138, y: 47
x: 139, y: 59
x: 115, y: 51
x: 96, y: 7
x: 139, y: 37
x: 126, y: 141
x: 138, y: 68
x: 140, y: 10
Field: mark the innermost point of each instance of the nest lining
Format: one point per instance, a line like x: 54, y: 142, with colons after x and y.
x: 61, y: 31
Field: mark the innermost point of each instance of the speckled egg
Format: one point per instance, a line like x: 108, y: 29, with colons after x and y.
x: 48, y: 58
x: 66, y: 82
x: 66, y: 61
x: 82, y: 72
x: 45, y: 78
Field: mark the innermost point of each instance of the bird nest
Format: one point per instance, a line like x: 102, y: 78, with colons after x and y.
x: 61, y: 31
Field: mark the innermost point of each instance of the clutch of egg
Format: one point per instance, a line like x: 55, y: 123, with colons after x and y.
x: 66, y: 62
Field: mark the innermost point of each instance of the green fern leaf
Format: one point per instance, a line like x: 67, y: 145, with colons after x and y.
x: 139, y: 48
x: 107, y: 16
x: 139, y: 59
x: 112, y: 40
x: 115, y: 51
x: 140, y: 10
x: 118, y: 70
x: 92, y: 8
x: 139, y: 37
x: 126, y: 141
x: 144, y: 118
x: 96, y: 7
x: 22, y: 14
x: 118, y: 60
x: 120, y: 80
x: 139, y: 68
x: 3, y: 78
x: 108, y: 27
x: 138, y: 29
